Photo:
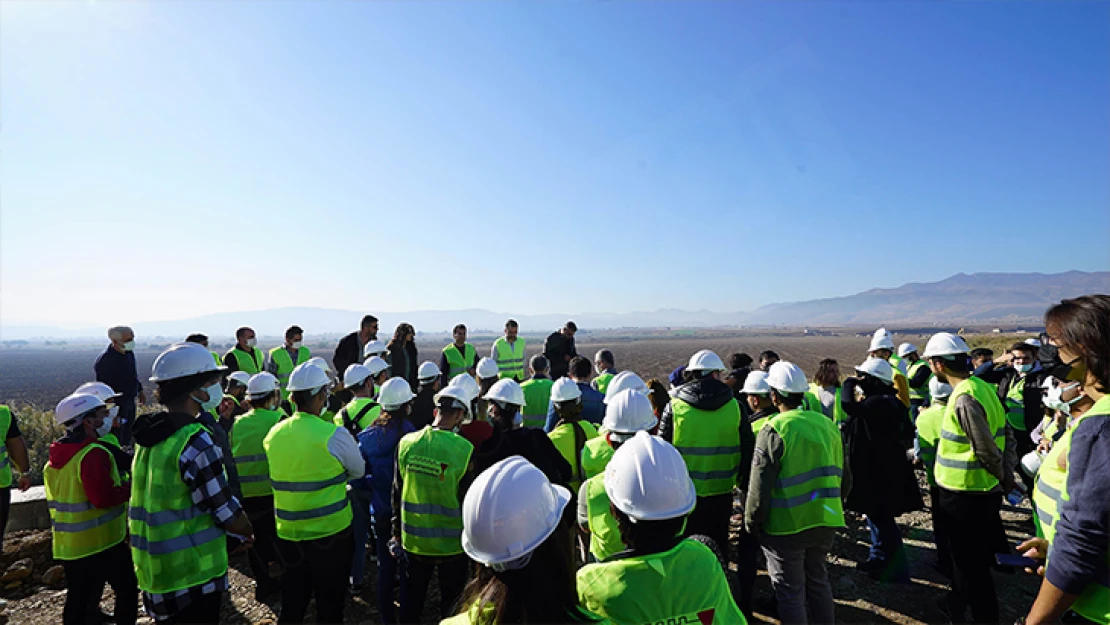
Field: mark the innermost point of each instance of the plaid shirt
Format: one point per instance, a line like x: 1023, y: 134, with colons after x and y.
x: 202, y: 470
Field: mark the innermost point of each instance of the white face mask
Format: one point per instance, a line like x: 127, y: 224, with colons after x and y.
x: 518, y: 420
x: 1054, y: 398
x: 105, y: 427
x: 252, y: 341
x: 297, y: 344
x: 112, y: 412
x: 129, y: 346
x: 215, y: 395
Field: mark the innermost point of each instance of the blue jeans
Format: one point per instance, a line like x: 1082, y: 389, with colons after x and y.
x: 387, y: 569
x: 887, y: 547
x: 360, y: 525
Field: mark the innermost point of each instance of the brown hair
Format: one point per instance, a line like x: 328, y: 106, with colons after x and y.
x: 1082, y: 325
x: 659, y: 397
x: 828, y: 373
x: 399, y: 335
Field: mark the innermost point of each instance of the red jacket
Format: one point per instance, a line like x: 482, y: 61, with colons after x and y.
x: 96, y: 472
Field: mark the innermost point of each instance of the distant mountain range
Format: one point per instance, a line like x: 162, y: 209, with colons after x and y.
x: 980, y: 298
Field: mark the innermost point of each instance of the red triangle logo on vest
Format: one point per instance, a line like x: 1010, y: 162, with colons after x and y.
x: 443, y: 470
x: 706, y: 616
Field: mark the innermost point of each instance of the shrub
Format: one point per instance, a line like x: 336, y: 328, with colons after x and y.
x: 39, y: 430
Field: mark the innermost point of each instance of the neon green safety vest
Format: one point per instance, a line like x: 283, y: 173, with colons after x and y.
x: 682, y: 585
x: 918, y: 392
x: 1015, y: 404
x: 284, y: 365
x: 432, y: 463
x: 5, y: 462
x: 79, y: 528
x: 111, y: 440
x: 251, y: 363
x: 596, y: 456
x: 1049, y: 427
x: 758, y: 424
x: 459, y: 363
x: 247, y: 434
x: 806, y: 493
x: 537, y: 398
x: 354, y: 408
x: 605, y: 536
x: 894, y: 361
x: 174, y: 544
x: 601, y: 382
x: 957, y: 468
x: 839, y: 416
x: 563, y: 439
x: 810, y: 402
x: 709, y: 441
x: 219, y: 361
x: 510, y: 358
x: 928, y: 433
x: 310, y: 484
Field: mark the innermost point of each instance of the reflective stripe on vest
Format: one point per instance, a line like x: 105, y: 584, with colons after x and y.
x: 806, y: 493
x: 537, y: 399
x: 5, y: 424
x: 928, y: 434
x: 174, y: 545
x: 605, y: 536
x: 563, y: 439
x: 510, y: 358
x: 247, y: 434
x: 957, y: 468
x: 250, y: 363
x: 458, y: 363
x: 1015, y: 404
x: 709, y: 441
x: 80, y: 529
x: 918, y: 392
x: 284, y: 364
x: 309, y: 484
x: 432, y: 463
x: 596, y: 456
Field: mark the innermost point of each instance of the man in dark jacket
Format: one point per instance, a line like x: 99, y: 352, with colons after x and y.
x: 559, y: 349
x: 116, y: 368
x: 1019, y: 389
x: 349, y: 349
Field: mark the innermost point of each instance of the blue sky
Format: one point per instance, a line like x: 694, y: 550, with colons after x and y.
x: 164, y: 160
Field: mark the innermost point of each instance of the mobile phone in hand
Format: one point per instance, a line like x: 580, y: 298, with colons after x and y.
x: 1005, y: 559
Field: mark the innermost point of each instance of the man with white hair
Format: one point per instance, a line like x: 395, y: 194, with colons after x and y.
x: 116, y: 368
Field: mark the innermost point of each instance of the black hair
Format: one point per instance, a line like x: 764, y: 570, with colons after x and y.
x: 197, y: 338
x: 957, y: 363
x: 768, y: 354
x: 459, y: 326
x: 511, y: 323
x: 367, y: 321
x: 739, y: 361
x: 303, y: 398
x: 1082, y: 325
x: 539, y: 363
x: 982, y: 352
x: 1024, y: 348
x: 647, y: 536
x: 241, y: 331
x: 579, y: 367
x: 606, y: 357
x: 790, y: 400
x: 573, y: 327
x: 293, y: 331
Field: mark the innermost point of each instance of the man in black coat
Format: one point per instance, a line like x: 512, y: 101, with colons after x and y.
x: 559, y: 349
x: 1019, y: 389
x: 349, y: 350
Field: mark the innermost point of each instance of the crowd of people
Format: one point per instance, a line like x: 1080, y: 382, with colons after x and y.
x: 561, y: 490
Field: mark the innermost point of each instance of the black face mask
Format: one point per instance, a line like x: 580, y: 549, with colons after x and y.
x: 1062, y: 370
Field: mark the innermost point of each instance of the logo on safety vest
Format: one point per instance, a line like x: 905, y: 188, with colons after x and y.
x: 427, y: 466
x: 704, y: 617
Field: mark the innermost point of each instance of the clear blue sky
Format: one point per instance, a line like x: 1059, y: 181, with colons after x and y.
x: 164, y: 160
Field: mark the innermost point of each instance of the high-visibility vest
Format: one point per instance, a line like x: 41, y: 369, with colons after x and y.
x: 605, y: 536
x: 309, y: 484
x: 902, y: 386
x: 709, y: 441
x: 247, y: 434
x: 601, y: 382
x: 110, y: 440
x: 1015, y: 404
x: 957, y: 468
x: 284, y: 365
x: 537, y: 398
x: 216, y: 357
x: 810, y: 402
x: 5, y: 462
x: 458, y: 363
x: 174, y: 544
x: 806, y: 493
x: 510, y: 358
x: 353, y: 409
x: 432, y: 463
x: 80, y: 529
x: 683, y: 585
x: 758, y: 424
x: 596, y: 456
x: 918, y: 392
x: 252, y: 363
x: 563, y: 439
x: 928, y: 433
x: 839, y: 416
x: 896, y: 363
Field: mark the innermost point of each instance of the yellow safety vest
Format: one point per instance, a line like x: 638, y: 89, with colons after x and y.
x: 596, y: 455
x: 563, y: 439
x: 605, y: 536
x: 709, y: 441
x: 510, y: 358
x: 806, y: 493
x: 957, y: 468
x: 458, y: 363
x: 251, y: 363
x: 247, y: 434
x: 432, y: 464
x: 284, y: 365
x: 79, y: 528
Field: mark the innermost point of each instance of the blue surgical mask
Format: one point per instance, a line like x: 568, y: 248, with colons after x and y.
x: 104, y: 427
x: 518, y: 420
x: 215, y: 395
x: 1026, y: 368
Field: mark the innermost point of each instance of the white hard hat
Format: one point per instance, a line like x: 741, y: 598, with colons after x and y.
x: 705, y: 360
x: 945, y: 344
x: 623, y: 381
x: 76, y: 405
x: 1034, y: 342
x: 100, y: 389
x: 628, y: 412
x: 507, y: 391
x: 939, y: 389
x: 307, y: 377
x: 648, y: 481
x: 319, y: 362
x: 787, y: 377
x: 906, y: 348
x: 487, y: 368
x: 262, y: 384
x: 376, y: 365
x: 881, y: 340
x: 565, y: 389
x: 239, y: 377
x: 879, y: 368
x: 181, y: 360
x: 373, y: 348
x: 457, y: 393
x: 1031, y: 463
x: 467, y: 384
x: 509, y: 510
x: 355, y: 374
x: 756, y: 383
x: 428, y: 370
x: 395, y: 393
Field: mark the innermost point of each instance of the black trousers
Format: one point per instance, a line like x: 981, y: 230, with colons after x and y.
x: 315, y: 567
x: 940, y: 532
x: 85, y: 583
x: 260, y: 511
x: 711, y: 517
x: 453, y: 572
x: 5, y: 511
x: 125, y: 419
x: 747, y: 558
x: 202, y: 610
x: 973, y: 525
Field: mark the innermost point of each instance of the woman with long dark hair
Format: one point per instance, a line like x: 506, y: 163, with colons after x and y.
x: 402, y: 354
x: 826, y: 387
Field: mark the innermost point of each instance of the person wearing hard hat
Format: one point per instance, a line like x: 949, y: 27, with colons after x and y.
x: 827, y: 389
x: 88, y: 504
x: 247, y: 434
x: 605, y: 367
x: 593, y: 401
x: 284, y: 358
x: 972, y: 471
x: 703, y: 422
x: 537, y: 393
x: 350, y: 348
x: 362, y: 409
x: 234, y: 402
x: 513, y: 529
x: 488, y: 375
x: 570, y: 433
x: 374, y: 348
x: 660, y: 577
x: 793, y: 501
x: 621, y: 424
x: 428, y: 375
x: 504, y: 401
x: 182, y: 506
x: 882, y: 346
x: 428, y: 486
x: 310, y: 461
x: 877, y: 433
x: 379, y: 370
x: 110, y: 440
x: 475, y: 428
x: 245, y: 356
x: 334, y: 403
x: 458, y: 357
x: 917, y: 377
x: 925, y: 454
x: 508, y: 353
x: 1019, y: 389
x: 759, y: 400
x: 626, y: 414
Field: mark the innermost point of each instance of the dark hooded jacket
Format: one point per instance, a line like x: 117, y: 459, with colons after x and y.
x: 711, y: 394
x: 153, y: 429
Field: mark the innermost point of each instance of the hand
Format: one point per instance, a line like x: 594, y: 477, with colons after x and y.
x: 24, y: 482
x: 248, y: 543
x: 1037, y: 549
x: 395, y: 548
x: 1009, y: 484
x: 225, y: 408
x: 142, y: 397
x: 1045, y: 445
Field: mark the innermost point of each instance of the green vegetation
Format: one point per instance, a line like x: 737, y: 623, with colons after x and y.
x: 39, y: 430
